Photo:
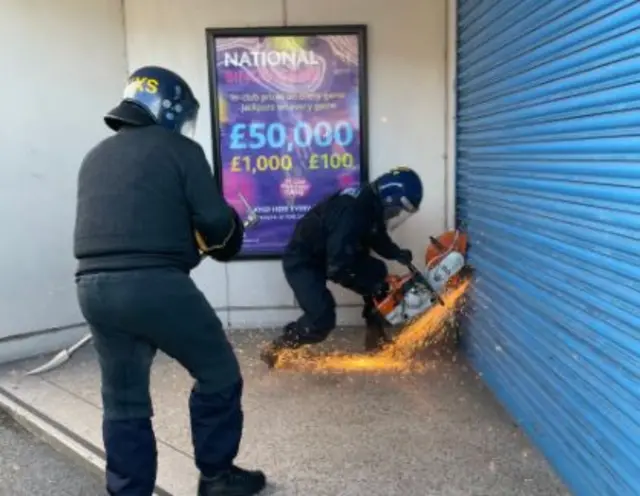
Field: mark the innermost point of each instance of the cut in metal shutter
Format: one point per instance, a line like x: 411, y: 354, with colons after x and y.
x: 548, y: 188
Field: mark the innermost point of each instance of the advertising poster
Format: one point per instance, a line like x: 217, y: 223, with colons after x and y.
x: 288, y: 123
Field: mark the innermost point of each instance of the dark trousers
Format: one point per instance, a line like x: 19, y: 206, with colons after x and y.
x: 309, y: 285
x: 132, y: 315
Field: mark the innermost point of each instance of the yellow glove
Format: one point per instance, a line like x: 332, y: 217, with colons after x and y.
x: 202, y: 246
x: 231, y: 245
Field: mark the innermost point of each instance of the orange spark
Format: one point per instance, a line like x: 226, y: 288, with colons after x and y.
x: 397, y: 357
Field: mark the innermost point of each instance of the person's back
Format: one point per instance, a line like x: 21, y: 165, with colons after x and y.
x: 132, y: 209
x: 342, y: 217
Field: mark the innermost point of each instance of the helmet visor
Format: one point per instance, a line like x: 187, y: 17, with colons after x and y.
x: 188, y: 127
x: 395, y: 216
x: 392, y: 223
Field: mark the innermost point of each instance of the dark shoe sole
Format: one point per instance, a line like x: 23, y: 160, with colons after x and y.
x: 227, y: 492
x: 374, y: 348
x: 234, y: 492
x: 248, y: 490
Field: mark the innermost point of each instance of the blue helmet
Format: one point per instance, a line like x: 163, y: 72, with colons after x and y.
x: 400, y: 192
x: 155, y: 95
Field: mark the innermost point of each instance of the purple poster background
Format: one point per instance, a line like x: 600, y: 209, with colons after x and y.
x: 289, y: 121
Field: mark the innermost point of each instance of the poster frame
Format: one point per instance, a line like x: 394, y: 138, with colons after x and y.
x: 212, y: 34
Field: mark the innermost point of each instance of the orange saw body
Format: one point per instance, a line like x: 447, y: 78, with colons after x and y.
x: 414, y: 293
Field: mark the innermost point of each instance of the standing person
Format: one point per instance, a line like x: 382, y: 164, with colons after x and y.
x: 332, y: 242
x: 142, y: 194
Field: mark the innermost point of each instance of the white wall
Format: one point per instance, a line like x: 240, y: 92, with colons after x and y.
x: 63, y: 64
x: 407, y: 46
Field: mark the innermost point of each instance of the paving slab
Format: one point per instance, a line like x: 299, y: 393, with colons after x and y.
x: 30, y: 467
x: 438, y: 432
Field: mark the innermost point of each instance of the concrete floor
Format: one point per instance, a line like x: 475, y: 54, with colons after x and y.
x: 437, y: 433
x: 30, y: 467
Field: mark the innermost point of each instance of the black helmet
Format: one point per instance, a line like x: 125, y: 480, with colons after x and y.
x: 400, y: 193
x: 155, y: 95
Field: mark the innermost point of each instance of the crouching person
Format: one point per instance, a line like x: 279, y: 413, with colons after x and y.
x: 332, y: 242
x: 142, y: 193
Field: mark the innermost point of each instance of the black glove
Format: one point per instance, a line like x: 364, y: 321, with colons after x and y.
x: 380, y: 290
x: 405, y: 257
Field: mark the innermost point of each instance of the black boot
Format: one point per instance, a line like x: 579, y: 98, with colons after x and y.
x: 375, y: 336
x: 233, y: 482
x: 289, y: 339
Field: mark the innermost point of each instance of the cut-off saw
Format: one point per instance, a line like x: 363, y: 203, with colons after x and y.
x: 412, y: 294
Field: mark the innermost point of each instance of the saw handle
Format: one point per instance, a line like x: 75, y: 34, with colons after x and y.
x: 436, y: 242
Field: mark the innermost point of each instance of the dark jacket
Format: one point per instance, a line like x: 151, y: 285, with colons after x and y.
x: 141, y: 195
x: 339, y: 230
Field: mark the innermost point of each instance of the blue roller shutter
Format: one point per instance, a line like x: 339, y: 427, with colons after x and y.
x: 548, y: 187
